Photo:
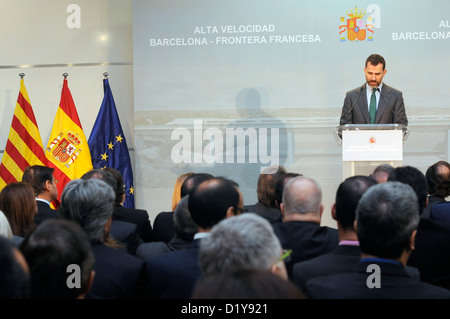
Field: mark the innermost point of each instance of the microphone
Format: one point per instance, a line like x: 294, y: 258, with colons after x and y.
x: 404, y: 131
x: 386, y: 102
x: 360, y: 91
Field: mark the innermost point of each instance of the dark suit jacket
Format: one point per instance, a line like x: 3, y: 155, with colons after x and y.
x: 273, y: 215
x: 126, y: 233
x: 391, y: 108
x: 432, y: 199
x: 136, y: 216
x: 306, y: 239
x: 118, y: 275
x: 173, y: 275
x: 440, y: 212
x: 395, y: 284
x: 153, y: 249
x: 432, y: 252
x: 44, y: 212
x: 163, y: 229
x: 344, y: 258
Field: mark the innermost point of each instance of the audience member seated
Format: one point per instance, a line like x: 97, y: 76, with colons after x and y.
x: 302, y: 215
x: 163, y: 228
x: 246, y: 284
x: 438, y: 180
x: 51, y: 251
x: 381, y: 173
x: 348, y: 253
x: 244, y: 242
x: 432, y: 243
x: 266, y: 205
x: 280, y: 184
x: 139, y: 217
x: 14, y: 272
x: 386, y: 224
x: 413, y: 177
x: 18, y: 204
x: 44, y: 185
x: 124, y: 232
x: 441, y: 212
x: 185, y: 229
x: 173, y: 275
x: 176, y: 195
x: 118, y: 275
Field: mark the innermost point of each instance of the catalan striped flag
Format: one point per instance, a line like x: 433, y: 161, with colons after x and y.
x: 24, y: 146
x: 67, y: 149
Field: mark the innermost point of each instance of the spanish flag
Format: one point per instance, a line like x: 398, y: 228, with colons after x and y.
x: 24, y: 146
x: 67, y: 148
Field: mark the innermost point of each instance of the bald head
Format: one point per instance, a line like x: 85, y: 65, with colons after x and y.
x: 302, y: 196
x: 210, y: 201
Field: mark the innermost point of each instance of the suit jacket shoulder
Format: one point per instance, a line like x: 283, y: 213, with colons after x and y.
x: 273, y: 215
x: 343, y: 258
x: 136, y: 216
x: 395, y: 283
x: 118, y: 275
x: 173, y: 275
x: 44, y: 212
x: 163, y: 229
x: 152, y: 249
x: 306, y: 239
x: 127, y: 234
x: 432, y: 252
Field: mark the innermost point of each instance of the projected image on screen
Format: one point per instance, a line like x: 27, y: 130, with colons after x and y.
x: 233, y: 87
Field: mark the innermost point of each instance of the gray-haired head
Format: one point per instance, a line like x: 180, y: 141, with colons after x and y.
x: 184, y: 225
x: 302, y: 195
x: 386, y: 216
x: 244, y: 242
x: 90, y: 203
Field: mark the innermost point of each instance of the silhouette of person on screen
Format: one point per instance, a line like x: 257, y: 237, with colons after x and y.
x: 265, y: 142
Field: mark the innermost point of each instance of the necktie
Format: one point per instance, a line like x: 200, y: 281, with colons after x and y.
x: 373, y: 106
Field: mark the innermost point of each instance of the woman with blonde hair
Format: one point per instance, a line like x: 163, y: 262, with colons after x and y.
x: 163, y: 225
x: 176, y: 196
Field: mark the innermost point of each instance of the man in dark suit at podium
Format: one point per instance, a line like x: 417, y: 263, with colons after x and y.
x: 374, y: 102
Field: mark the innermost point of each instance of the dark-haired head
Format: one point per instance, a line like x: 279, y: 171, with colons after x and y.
x: 212, y: 200
x: 375, y: 59
x: 416, y: 179
x: 348, y: 195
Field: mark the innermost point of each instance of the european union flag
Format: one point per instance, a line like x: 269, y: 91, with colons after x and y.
x: 108, y: 145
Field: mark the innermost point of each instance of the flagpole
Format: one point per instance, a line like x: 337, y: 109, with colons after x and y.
x: 21, y: 75
x: 105, y: 75
x: 65, y: 75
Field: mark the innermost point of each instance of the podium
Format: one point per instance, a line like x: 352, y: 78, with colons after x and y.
x: 365, y: 146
